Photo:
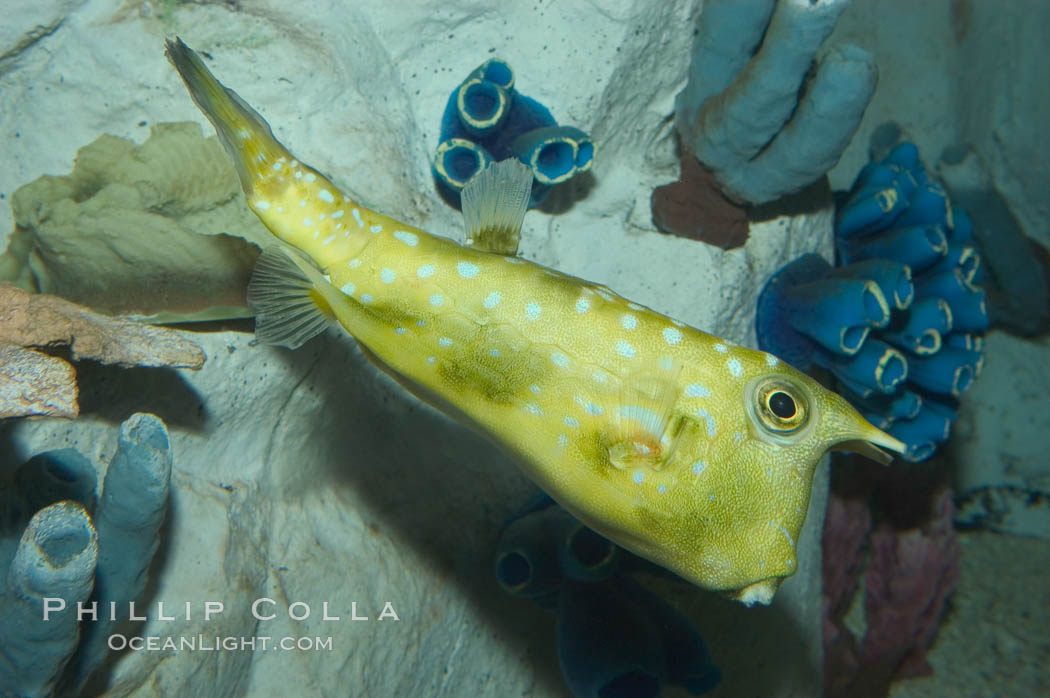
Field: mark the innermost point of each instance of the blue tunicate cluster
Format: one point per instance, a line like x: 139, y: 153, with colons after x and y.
x: 900, y: 322
x: 487, y: 120
x: 615, y: 638
x: 58, y: 543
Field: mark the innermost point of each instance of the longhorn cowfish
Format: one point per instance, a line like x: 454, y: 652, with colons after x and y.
x: 681, y: 447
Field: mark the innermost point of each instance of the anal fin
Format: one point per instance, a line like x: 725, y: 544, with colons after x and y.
x: 494, y: 204
x: 288, y: 298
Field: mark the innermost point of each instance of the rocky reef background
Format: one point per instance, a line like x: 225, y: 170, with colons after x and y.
x: 309, y: 476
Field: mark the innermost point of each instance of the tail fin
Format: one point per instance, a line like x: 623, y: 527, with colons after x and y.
x: 245, y: 135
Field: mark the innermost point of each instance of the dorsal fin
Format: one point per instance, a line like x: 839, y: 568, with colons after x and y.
x: 286, y: 294
x: 494, y: 203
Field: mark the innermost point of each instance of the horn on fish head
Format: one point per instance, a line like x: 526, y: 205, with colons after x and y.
x: 788, y: 408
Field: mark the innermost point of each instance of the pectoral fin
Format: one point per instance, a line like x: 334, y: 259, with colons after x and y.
x: 288, y: 295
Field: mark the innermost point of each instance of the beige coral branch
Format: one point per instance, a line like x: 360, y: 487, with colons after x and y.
x: 35, y: 384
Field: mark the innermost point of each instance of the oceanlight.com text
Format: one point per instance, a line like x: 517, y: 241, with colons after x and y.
x: 218, y: 643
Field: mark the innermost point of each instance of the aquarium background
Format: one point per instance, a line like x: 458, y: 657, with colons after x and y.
x: 311, y: 477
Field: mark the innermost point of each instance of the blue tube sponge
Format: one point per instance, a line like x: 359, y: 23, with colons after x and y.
x: 54, y: 566
x: 128, y: 518
x: 487, y: 120
x: 741, y: 113
x: 897, y: 229
x: 615, y: 638
x: 118, y: 535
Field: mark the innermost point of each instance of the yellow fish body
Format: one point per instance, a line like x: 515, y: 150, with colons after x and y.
x: 683, y: 448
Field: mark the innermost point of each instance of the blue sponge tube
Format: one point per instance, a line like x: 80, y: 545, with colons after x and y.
x: 55, y: 559
x: 893, y: 279
x: 836, y: 313
x: 586, y: 556
x: 554, y: 152
x: 922, y: 434
x: 496, y: 71
x: 606, y: 646
x: 925, y: 324
x: 928, y: 206
x: 969, y: 311
x: 527, y: 560
x: 917, y: 246
x: 964, y: 258
x: 950, y: 371
x: 877, y: 365
x: 482, y: 105
x: 457, y: 160
x: 961, y: 231
x: 870, y: 208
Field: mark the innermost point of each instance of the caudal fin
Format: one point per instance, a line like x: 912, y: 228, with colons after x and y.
x: 245, y: 135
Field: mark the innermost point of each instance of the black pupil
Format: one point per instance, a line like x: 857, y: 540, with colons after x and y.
x: 782, y: 405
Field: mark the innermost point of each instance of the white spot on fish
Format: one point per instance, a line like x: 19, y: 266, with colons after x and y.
x: 563, y: 440
x: 623, y: 348
x: 593, y: 409
x: 376, y: 229
x: 326, y: 196
x: 366, y: 297
x: 492, y: 300
x: 425, y: 271
x: 400, y: 330
x: 317, y: 234
x: 534, y: 388
x: 662, y: 489
x: 638, y: 477
x: 787, y: 534
x: 771, y: 360
x: 735, y: 368
x: 738, y: 436
x: 572, y: 422
x: 533, y: 408
x: 697, y: 390
x: 280, y: 209
x: 721, y: 348
x: 338, y: 214
x: 445, y: 342
x: 431, y: 359
x: 262, y: 205
x: 629, y: 322
x: 357, y: 217
x: 320, y: 217
x: 328, y: 240
x: 666, y: 363
x: 298, y: 175
x: 308, y: 222
x: 387, y: 275
x: 354, y: 263
x: 494, y: 353
x: 532, y: 310
x: 560, y: 359
x: 310, y: 176
x: 278, y: 165
x: 348, y: 288
x: 513, y: 260
x: 467, y: 270
x: 582, y: 305
x: 302, y: 203
x: 672, y: 336
x: 703, y: 414
x: 604, y: 294
x: 635, y: 306
x: 410, y: 239
x: 436, y: 300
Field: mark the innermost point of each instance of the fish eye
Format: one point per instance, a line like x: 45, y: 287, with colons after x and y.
x: 781, y: 407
